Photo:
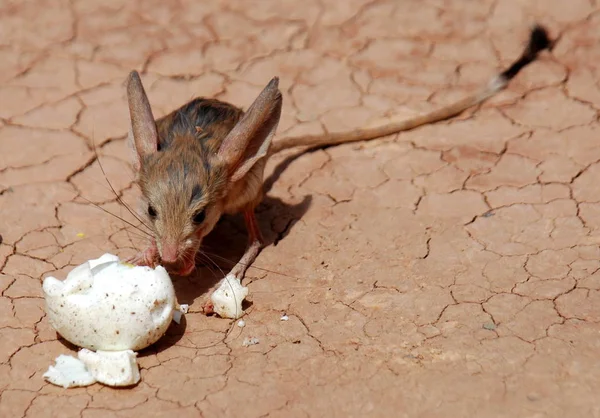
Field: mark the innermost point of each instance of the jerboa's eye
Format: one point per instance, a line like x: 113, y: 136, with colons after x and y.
x: 199, y: 217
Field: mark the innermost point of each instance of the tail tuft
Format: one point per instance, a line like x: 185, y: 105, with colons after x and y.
x: 538, y: 41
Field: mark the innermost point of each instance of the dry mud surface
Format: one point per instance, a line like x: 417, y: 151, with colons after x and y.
x: 452, y: 271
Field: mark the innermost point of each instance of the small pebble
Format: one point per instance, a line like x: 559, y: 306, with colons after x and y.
x: 284, y: 318
x: 250, y: 341
x: 241, y: 323
x: 489, y: 326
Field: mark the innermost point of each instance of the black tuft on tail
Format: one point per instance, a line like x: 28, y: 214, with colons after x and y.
x: 538, y: 41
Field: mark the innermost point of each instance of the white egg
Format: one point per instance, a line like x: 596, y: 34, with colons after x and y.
x: 104, y: 304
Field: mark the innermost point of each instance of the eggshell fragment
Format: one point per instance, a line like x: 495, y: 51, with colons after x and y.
x: 227, y: 299
x: 105, y: 304
x: 69, y: 372
x: 179, y: 312
x: 113, y: 368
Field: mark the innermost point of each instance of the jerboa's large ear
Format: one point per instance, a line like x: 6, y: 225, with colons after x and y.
x: 251, y: 137
x: 143, y: 127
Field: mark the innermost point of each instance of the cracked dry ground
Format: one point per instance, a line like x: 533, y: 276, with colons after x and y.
x: 450, y: 271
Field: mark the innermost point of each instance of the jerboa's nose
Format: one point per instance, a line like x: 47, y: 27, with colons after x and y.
x: 169, y: 252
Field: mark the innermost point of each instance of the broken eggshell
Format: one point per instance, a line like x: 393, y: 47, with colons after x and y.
x: 227, y: 299
x: 113, y: 368
x: 69, y: 372
x: 105, y: 304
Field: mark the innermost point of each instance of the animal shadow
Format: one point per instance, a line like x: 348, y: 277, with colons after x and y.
x: 226, y: 243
